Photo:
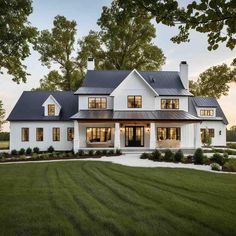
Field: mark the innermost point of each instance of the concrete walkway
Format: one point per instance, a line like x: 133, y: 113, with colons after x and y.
x: 132, y: 160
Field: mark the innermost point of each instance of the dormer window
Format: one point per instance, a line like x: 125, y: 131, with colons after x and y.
x: 97, y: 103
x: 207, y: 112
x: 51, y: 109
x: 169, y: 103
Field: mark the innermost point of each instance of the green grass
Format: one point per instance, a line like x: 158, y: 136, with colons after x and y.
x: 4, y: 144
x: 95, y: 198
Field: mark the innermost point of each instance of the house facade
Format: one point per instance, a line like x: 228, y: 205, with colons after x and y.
x: 128, y: 110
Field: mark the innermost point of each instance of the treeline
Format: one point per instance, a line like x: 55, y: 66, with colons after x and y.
x: 231, y: 136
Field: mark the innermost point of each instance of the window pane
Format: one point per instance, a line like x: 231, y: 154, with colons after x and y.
x: 98, y: 134
x: 168, y: 133
x: 25, y: 134
x: 39, y: 134
x: 56, y: 134
x: 70, y: 134
x: 51, y: 109
x: 134, y: 101
x: 130, y: 101
x: 169, y: 103
x: 138, y: 101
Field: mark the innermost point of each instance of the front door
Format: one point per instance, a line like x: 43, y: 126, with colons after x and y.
x: 134, y: 136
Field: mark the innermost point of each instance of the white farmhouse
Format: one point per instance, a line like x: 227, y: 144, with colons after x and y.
x: 118, y: 109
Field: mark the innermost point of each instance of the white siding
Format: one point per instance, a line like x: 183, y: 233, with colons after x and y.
x: 15, y: 135
x: 218, y: 140
x: 83, y: 101
x: 134, y: 85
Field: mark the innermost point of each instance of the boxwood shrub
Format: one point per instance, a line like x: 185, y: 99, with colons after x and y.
x: 28, y: 151
x: 156, y: 155
x: 218, y: 158
x: 198, y: 156
x: 35, y: 150
x: 168, y: 155
x: 145, y: 155
x: 51, y: 149
x: 179, y: 156
x: 14, y: 152
x: 22, y: 151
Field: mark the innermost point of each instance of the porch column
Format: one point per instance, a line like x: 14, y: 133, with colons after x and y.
x: 76, y: 136
x: 197, y: 136
x: 117, y: 136
x: 152, y: 136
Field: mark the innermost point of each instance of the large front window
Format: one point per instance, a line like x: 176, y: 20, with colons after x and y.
x: 97, y: 103
x: 207, y: 132
x: 169, y: 103
x: 25, y: 134
x: 168, y: 134
x: 98, y: 134
x: 134, y: 101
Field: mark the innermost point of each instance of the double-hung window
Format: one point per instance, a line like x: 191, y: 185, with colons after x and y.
x: 56, y: 134
x: 169, y: 103
x: 134, y: 101
x: 97, y: 103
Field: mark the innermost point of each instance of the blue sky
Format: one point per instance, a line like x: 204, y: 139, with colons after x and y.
x: 86, y: 13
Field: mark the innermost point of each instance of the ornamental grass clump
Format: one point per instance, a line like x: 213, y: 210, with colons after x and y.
x: 230, y: 165
x: 215, y: 166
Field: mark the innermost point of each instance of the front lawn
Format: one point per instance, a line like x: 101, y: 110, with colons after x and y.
x: 96, y: 198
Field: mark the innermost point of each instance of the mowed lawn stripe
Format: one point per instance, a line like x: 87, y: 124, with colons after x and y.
x: 96, y: 198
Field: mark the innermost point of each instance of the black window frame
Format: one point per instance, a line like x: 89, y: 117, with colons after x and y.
x: 36, y: 134
x: 100, y: 106
x: 169, y: 99
x: 24, y: 140
x: 55, y: 139
x: 72, y: 138
x: 178, y: 133
x: 134, y: 102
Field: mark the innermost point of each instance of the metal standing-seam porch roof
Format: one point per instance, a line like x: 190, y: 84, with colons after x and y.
x: 133, y: 115
x: 103, y: 82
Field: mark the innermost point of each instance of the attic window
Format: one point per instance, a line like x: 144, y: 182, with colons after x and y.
x: 51, y: 109
x: 207, y: 112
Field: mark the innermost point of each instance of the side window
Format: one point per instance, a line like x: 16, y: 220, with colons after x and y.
x: 70, y: 134
x: 51, y: 109
x: 25, y: 134
x: 39, y: 134
x: 56, y: 134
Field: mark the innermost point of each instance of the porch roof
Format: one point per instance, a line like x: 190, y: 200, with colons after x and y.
x: 133, y: 115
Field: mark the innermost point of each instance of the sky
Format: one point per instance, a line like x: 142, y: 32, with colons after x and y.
x: 86, y: 13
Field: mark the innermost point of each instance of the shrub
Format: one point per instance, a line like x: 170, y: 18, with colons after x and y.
x: 98, y: 153
x: 91, y: 152
x: 111, y: 152
x: 22, y: 151
x: 35, y: 156
x: 51, y: 149
x: 225, y: 155
x: 230, y: 165
x: 218, y: 158
x: 198, y: 156
x: 179, y: 156
x: 168, y: 155
x: 35, y: 150
x: 81, y: 153
x: 28, y: 151
x: 70, y: 154
x: 118, y: 152
x: 104, y: 152
x: 206, y: 160
x: 215, y: 166
x: 22, y: 158
x: 62, y: 155
x: 145, y: 155
x: 14, y: 152
x: 156, y: 155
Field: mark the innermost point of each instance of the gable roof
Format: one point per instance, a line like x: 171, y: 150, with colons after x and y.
x: 198, y: 102
x: 140, y: 77
x: 105, y: 81
x: 29, y: 106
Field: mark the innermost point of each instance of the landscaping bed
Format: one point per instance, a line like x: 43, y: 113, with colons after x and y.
x: 217, y: 161
x: 36, y: 155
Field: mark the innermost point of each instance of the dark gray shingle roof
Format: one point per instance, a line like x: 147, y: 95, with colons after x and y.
x: 195, y: 102
x: 133, y: 115
x: 29, y: 106
x: 105, y: 81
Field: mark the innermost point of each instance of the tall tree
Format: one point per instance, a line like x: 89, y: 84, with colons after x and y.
x: 217, y: 18
x: 2, y: 115
x: 128, y: 40
x: 214, y: 82
x: 15, y: 35
x: 57, y: 46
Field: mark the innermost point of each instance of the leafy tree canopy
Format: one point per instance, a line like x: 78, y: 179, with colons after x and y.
x: 57, y: 47
x: 214, y: 82
x: 15, y: 35
x: 2, y: 115
x: 217, y: 18
x: 233, y: 128
x: 124, y: 42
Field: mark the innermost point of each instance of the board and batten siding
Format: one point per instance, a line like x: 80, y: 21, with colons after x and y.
x: 62, y: 145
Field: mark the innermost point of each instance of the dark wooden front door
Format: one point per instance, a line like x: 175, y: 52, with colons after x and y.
x: 134, y: 136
